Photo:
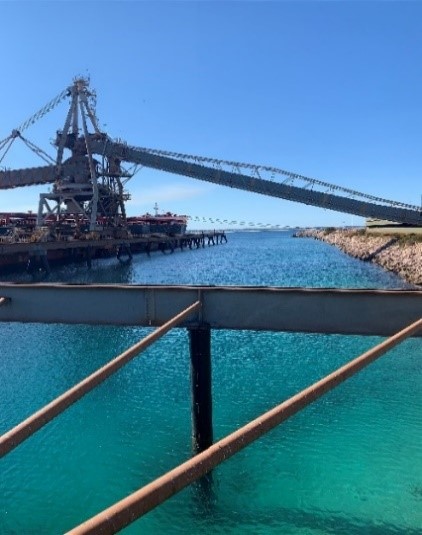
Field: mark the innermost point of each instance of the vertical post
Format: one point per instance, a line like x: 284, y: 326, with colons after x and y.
x: 200, y: 358
x: 88, y: 256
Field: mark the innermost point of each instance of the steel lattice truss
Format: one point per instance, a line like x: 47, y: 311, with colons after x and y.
x: 92, y: 187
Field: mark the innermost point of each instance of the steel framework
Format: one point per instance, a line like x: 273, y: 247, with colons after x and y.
x: 93, y: 190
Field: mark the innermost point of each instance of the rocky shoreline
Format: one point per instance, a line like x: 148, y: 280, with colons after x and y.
x: 400, y: 254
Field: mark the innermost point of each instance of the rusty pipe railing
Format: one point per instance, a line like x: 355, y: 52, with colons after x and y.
x: 33, y: 423
x: 129, y: 509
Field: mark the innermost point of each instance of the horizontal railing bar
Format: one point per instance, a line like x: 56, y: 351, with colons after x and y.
x: 129, y: 509
x: 33, y: 423
x: 301, y: 310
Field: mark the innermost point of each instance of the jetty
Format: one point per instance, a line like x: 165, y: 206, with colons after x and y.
x: 38, y: 256
x: 88, y: 176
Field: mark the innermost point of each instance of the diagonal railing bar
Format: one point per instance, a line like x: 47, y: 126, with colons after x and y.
x: 129, y: 509
x: 33, y: 423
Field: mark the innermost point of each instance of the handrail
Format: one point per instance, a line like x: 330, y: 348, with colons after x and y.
x: 33, y: 423
x: 129, y: 509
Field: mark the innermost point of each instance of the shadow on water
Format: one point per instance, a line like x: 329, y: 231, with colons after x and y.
x: 206, y: 508
x: 103, y: 271
x: 205, y: 498
x: 208, y: 511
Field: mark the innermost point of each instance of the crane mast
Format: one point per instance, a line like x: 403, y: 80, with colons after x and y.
x: 85, y: 188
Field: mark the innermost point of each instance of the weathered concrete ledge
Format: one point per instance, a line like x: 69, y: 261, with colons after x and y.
x: 400, y: 254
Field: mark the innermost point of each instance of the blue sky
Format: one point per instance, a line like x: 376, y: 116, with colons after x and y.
x: 331, y: 90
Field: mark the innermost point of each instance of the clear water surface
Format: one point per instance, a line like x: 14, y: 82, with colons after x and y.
x: 349, y: 464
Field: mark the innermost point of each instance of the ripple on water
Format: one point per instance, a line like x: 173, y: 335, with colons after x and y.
x: 349, y: 464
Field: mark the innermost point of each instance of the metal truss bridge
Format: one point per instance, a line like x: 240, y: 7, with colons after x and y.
x: 90, y: 183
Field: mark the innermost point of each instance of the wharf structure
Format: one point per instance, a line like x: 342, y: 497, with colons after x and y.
x: 90, y: 183
x: 89, y: 180
x: 199, y: 309
x: 39, y: 256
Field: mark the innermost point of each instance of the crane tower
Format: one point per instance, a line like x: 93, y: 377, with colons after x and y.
x: 88, y: 189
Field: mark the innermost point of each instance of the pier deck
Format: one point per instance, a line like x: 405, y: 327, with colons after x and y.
x: 68, y: 250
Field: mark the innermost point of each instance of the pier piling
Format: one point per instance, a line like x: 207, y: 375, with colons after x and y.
x: 200, y: 358
x: 38, y: 263
x: 88, y: 255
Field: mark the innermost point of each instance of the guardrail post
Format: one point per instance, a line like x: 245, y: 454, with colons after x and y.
x: 200, y: 359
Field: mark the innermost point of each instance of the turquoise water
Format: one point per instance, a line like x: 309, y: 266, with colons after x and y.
x: 349, y: 464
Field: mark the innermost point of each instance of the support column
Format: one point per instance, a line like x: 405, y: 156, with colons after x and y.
x: 200, y: 358
x: 38, y: 265
x: 88, y: 256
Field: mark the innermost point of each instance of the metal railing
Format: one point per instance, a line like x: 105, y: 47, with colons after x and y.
x: 126, y: 511
x: 198, y: 316
x: 28, y: 427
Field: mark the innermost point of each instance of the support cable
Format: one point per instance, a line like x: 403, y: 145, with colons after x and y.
x: 4, y: 141
x: 126, y: 511
x: 11, y: 139
x: 45, y: 109
x: 37, y: 150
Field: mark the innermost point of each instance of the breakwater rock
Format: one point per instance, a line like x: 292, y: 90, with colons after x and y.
x: 401, y: 255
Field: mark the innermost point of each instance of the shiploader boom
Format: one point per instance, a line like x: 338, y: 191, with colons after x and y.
x: 365, y: 206
x: 94, y: 186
